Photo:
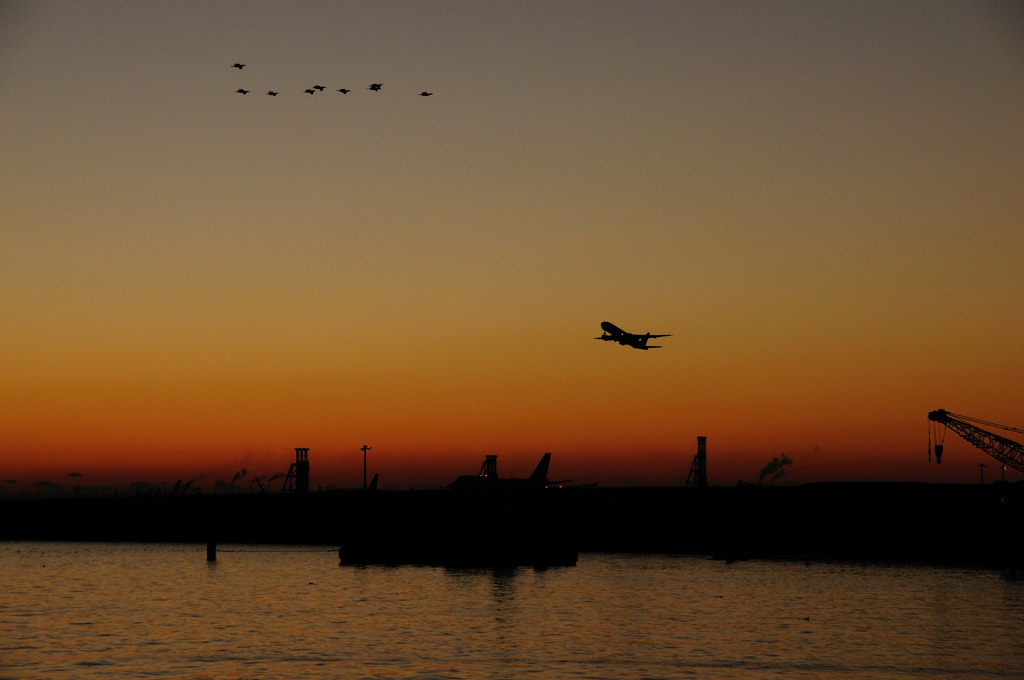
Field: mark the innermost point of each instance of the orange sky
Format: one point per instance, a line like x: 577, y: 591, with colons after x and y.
x: 821, y: 202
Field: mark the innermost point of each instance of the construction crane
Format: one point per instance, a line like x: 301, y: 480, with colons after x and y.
x: 1006, y: 451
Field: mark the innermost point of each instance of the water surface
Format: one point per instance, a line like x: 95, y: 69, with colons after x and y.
x: 72, y: 610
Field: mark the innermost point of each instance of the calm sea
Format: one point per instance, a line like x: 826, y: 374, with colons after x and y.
x: 73, y: 610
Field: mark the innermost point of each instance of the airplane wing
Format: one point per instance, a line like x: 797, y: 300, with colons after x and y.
x: 666, y: 335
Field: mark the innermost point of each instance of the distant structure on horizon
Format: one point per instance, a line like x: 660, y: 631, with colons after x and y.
x: 297, y: 479
x: 698, y: 476
x: 488, y: 480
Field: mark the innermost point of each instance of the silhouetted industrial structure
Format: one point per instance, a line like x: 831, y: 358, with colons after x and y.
x: 489, y: 468
x: 698, y: 476
x: 1006, y: 451
x: 297, y: 479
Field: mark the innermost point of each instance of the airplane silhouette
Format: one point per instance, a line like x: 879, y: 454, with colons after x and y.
x: 613, y: 333
x: 376, y: 87
x: 242, y: 91
x: 272, y: 93
x: 488, y: 480
x: 344, y: 91
x: 238, y: 66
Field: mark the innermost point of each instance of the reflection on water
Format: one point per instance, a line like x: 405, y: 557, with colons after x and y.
x: 100, y: 611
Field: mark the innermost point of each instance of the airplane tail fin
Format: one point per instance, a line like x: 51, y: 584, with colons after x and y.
x: 541, y: 473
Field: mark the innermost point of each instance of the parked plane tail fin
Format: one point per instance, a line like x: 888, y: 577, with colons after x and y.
x: 541, y: 473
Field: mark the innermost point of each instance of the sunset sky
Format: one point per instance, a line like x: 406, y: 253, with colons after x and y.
x: 822, y: 202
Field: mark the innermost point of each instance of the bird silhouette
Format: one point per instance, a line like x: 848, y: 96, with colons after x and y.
x: 272, y: 93
x: 241, y: 91
x: 318, y: 87
x: 344, y: 91
x: 238, y: 66
x: 426, y: 94
x: 376, y: 87
x: 310, y: 91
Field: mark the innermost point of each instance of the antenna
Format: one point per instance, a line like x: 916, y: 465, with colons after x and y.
x: 364, y: 450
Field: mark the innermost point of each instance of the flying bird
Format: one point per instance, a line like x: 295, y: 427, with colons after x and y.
x: 318, y: 87
x: 238, y: 66
x: 426, y: 94
x: 272, y: 93
x: 376, y: 87
x: 241, y: 91
x: 344, y: 91
x: 309, y: 91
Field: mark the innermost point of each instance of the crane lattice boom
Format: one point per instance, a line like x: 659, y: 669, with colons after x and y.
x: 1006, y: 451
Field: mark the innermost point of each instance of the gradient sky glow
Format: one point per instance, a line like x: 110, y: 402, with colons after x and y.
x: 823, y: 202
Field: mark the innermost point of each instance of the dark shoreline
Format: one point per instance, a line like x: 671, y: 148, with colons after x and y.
x: 971, y: 525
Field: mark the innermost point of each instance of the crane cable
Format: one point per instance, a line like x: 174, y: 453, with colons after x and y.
x: 939, y: 435
x: 985, y: 422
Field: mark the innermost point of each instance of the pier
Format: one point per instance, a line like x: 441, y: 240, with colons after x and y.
x: 934, y: 523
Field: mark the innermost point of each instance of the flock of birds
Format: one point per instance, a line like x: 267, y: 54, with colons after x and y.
x: 313, y: 89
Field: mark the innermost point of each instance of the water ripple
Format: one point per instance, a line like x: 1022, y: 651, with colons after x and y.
x: 100, y: 611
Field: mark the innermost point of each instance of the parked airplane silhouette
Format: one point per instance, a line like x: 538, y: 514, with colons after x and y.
x: 488, y: 480
x: 615, y: 334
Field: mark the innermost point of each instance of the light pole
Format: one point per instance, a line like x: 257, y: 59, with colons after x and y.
x: 364, y: 450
